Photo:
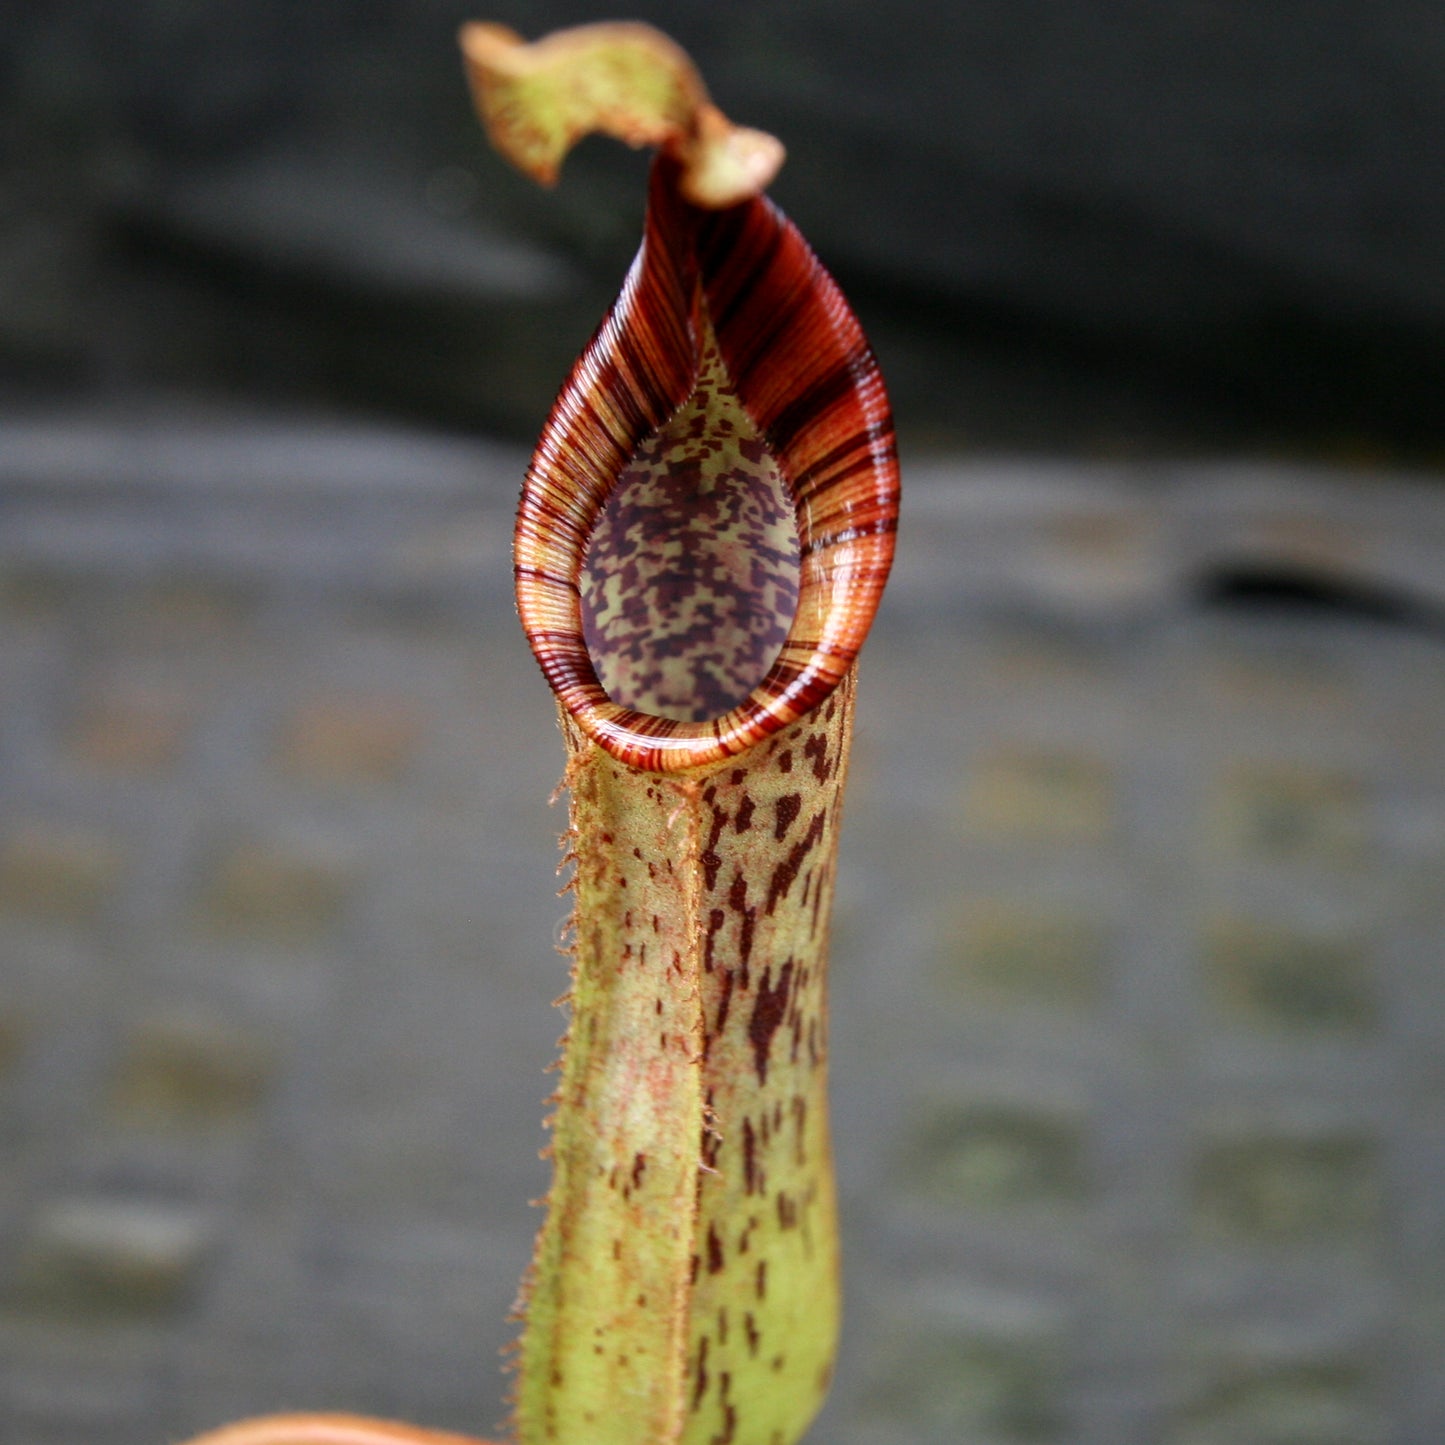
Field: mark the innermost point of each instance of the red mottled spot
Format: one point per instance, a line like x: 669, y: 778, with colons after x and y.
x: 750, y: 1158
x: 730, y: 1422
x: 709, y: 1147
x: 746, y: 1237
x: 769, y: 1010
x: 817, y: 904
x: 711, y: 862
x: 816, y: 748
x: 787, y: 807
x: 744, y: 819
x: 700, y: 1375
x: 751, y: 1327
x: 785, y: 762
x: 739, y: 774
x: 787, y: 871
x: 714, y: 1250
x: 715, y: 920
x: 725, y: 1002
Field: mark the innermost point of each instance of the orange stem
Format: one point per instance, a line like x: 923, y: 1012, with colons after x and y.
x: 328, y: 1430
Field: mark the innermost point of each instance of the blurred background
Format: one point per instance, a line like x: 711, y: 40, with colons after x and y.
x: 1102, y: 228
x: 1138, y: 1039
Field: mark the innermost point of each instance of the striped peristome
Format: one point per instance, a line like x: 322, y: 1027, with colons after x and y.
x: 801, y: 368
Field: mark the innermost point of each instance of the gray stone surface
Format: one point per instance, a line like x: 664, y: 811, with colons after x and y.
x: 1138, y: 1032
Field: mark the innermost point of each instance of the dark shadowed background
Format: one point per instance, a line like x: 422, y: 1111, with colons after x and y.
x: 1099, y: 227
x: 1139, y: 992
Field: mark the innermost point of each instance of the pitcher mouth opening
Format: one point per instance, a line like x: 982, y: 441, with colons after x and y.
x: 688, y: 594
x: 689, y: 583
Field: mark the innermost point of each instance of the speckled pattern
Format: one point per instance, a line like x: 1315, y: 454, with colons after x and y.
x: 687, y: 1280
x: 691, y: 577
x: 766, y: 1292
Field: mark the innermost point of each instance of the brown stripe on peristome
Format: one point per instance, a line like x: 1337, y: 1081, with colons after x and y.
x: 735, y: 265
x: 856, y: 453
x: 755, y: 346
x: 824, y: 393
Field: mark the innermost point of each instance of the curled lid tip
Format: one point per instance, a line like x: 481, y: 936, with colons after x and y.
x: 624, y: 79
